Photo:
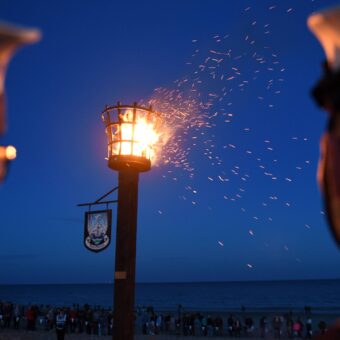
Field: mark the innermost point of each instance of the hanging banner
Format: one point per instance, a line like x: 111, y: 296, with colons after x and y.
x: 97, y: 230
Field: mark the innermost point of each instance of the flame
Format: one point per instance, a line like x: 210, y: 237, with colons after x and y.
x: 141, y: 138
x: 8, y: 153
x: 11, y: 152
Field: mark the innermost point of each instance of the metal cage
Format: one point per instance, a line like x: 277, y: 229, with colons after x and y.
x: 126, y: 128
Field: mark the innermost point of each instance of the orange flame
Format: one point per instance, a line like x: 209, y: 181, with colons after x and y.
x: 8, y: 153
x: 140, y: 137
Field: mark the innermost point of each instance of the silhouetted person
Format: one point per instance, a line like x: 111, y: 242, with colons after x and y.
x: 263, y: 326
x: 60, y: 325
x: 333, y: 333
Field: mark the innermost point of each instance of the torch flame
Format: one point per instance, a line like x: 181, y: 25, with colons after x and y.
x: 139, y: 136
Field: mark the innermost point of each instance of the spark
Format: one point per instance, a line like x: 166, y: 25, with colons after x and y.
x: 199, y: 101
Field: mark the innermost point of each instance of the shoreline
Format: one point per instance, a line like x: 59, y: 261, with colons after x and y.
x: 171, y: 282
x: 221, y: 297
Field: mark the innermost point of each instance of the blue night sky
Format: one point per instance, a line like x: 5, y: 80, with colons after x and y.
x: 262, y: 221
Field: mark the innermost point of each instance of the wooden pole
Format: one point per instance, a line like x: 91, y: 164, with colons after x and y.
x: 124, y: 287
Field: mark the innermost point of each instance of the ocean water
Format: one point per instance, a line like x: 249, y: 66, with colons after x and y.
x: 322, y: 295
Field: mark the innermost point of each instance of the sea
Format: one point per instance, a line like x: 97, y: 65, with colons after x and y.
x: 323, y: 296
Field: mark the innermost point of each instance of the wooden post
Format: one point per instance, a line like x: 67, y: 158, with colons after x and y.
x: 125, y: 267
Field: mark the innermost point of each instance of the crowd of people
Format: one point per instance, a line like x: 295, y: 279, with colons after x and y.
x: 99, y: 321
x: 75, y: 319
x: 232, y: 325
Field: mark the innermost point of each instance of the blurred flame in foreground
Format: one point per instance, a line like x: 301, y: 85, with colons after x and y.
x: 8, y: 153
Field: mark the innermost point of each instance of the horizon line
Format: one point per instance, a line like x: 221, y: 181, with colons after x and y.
x: 171, y: 282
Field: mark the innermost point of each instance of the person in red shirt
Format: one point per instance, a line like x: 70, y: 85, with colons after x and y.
x: 30, y: 317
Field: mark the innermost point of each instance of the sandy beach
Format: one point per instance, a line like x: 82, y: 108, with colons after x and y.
x: 18, y: 335
x: 43, y: 336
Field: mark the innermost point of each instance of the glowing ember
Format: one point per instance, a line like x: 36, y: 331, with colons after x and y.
x: 201, y: 101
